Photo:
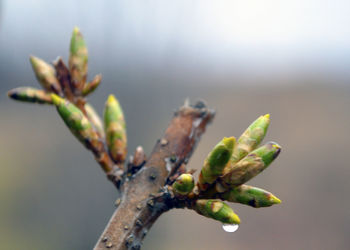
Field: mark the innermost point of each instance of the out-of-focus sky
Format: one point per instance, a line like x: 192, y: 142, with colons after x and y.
x: 255, y: 38
x: 245, y: 58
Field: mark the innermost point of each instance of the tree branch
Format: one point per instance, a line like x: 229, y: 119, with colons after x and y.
x: 154, y: 186
x: 138, y: 210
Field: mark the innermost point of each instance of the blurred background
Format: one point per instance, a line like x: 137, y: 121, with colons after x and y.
x: 245, y: 58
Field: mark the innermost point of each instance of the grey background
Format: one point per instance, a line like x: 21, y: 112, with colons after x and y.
x: 245, y: 58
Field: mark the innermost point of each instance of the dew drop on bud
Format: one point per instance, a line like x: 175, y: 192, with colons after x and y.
x: 230, y: 228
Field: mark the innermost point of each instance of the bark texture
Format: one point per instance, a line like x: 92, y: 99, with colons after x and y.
x: 138, y: 208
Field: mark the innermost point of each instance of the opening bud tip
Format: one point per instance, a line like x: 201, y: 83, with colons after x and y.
x: 275, y: 200
x: 275, y: 145
x: 111, y: 98
x: 267, y: 116
x: 76, y: 29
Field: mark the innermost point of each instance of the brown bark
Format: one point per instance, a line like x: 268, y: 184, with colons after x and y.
x: 138, y: 210
x: 63, y: 76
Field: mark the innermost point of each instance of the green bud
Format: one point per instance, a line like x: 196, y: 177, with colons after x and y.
x: 91, y: 86
x: 251, y: 165
x: 94, y: 119
x: 115, y: 129
x: 252, y: 196
x: 251, y: 138
x: 217, y: 210
x: 183, y: 184
x: 26, y: 94
x: 216, y: 161
x: 45, y: 74
x: 78, y: 59
x: 76, y: 121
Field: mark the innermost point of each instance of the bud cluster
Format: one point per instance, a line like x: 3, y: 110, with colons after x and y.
x: 227, y: 167
x: 66, y: 88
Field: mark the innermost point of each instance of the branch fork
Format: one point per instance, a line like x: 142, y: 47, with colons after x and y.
x: 152, y: 185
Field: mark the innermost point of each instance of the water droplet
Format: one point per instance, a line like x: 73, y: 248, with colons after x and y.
x: 230, y: 228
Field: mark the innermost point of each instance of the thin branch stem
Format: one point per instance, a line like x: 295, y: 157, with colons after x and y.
x: 137, y: 210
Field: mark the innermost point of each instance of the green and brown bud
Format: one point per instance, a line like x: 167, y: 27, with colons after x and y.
x: 115, y: 129
x: 236, y: 174
x: 252, y: 196
x: 45, y: 74
x: 78, y: 60
x: 91, y: 86
x: 215, y: 162
x: 251, y: 137
x: 217, y: 210
x: 184, y: 184
x: 94, y: 119
x: 76, y: 121
x: 26, y: 94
